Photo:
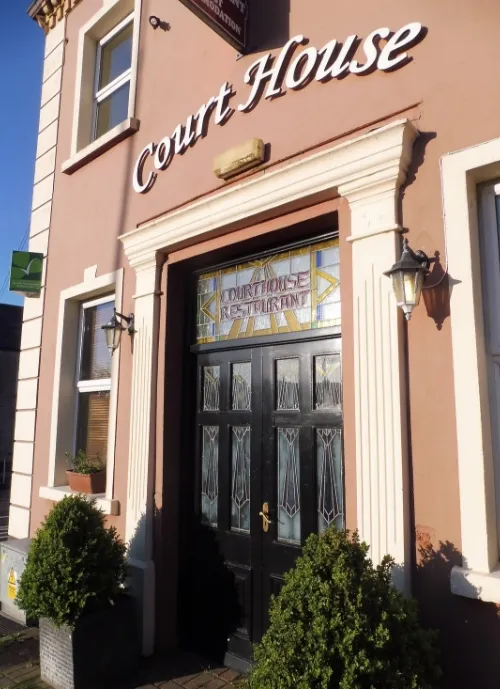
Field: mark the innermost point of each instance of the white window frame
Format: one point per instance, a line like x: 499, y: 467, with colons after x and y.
x: 97, y: 385
x: 489, y: 240
x: 111, y: 18
x: 461, y: 174
x: 91, y: 291
x: 118, y: 82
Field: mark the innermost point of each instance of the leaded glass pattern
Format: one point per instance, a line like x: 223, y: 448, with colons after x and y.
x: 329, y: 469
x: 286, y: 292
x: 211, y: 388
x: 327, y: 382
x: 240, y: 479
x: 287, y: 384
x: 210, y: 474
x: 241, y: 386
x: 288, y: 485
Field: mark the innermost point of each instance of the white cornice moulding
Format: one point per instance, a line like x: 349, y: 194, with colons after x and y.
x: 369, y: 165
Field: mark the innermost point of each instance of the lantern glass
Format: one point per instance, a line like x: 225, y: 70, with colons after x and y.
x: 407, y: 285
x: 113, y: 331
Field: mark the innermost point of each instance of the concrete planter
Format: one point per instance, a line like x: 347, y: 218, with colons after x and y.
x: 103, y: 647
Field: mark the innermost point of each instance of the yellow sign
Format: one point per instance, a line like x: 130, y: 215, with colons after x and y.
x: 12, y: 585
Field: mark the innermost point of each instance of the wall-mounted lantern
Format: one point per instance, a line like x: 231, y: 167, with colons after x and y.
x: 408, y: 276
x: 115, y: 327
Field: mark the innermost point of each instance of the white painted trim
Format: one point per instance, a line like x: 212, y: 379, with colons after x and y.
x: 91, y: 288
x: 100, y: 145
x: 371, y: 157
x: 369, y: 171
x: 99, y: 27
x: 461, y: 172
x: 477, y: 585
x: 57, y: 493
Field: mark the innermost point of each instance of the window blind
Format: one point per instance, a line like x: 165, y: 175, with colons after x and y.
x: 96, y: 357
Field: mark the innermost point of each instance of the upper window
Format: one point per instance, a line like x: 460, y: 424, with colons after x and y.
x: 112, y: 79
x: 93, y: 380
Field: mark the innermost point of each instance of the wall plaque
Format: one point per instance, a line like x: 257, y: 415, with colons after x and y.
x: 227, y: 17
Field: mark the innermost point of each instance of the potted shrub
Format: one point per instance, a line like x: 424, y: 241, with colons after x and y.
x: 74, y: 584
x: 338, y: 623
x: 87, y: 473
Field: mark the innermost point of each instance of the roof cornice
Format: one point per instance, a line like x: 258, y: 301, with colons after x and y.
x: 47, y: 13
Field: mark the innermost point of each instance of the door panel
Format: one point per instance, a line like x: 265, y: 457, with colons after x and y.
x: 269, y: 430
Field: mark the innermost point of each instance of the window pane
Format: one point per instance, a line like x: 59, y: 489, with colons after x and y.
x: 287, y: 383
x: 116, y: 56
x: 240, y: 479
x: 96, y: 357
x: 329, y: 471
x: 211, y: 388
x: 241, y: 386
x: 289, y: 485
x: 327, y: 382
x: 210, y: 474
x: 92, y: 426
x: 112, y: 110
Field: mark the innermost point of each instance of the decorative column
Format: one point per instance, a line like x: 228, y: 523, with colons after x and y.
x: 379, y: 358
x: 139, y: 515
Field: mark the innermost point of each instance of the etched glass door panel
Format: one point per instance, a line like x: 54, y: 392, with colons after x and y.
x: 329, y: 472
x: 240, y: 478
x: 241, y: 386
x: 287, y: 384
x: 288, y: 485
x: 211, y: 388
x: 210, y: 473
x: 327, y: 382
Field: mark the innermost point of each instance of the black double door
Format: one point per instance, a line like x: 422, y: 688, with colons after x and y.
x: 268, y: 473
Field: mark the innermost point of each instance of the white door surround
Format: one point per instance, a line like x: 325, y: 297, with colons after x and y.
x: 368, y: 171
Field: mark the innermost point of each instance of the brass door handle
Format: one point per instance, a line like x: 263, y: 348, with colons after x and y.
x: 265, y: 519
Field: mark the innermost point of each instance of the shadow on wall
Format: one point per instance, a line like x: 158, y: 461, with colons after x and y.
x: 211, y: 609
x: 268, y: 30
x: 469, y: 630
x: 209, y: 606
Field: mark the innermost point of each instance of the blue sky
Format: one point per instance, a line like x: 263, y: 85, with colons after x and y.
x: 21, y: 63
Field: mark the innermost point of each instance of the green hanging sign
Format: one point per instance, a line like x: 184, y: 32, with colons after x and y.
x: 26, y: 273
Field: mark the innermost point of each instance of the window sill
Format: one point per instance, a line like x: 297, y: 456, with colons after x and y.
x: 102, y: 144
x: 483, y: 586
x: 57, y: 493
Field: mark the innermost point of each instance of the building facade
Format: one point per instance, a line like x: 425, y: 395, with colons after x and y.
x: 241, y: 192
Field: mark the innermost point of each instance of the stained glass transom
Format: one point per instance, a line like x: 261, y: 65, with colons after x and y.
x: 288, y: 485
x: 210, y: 474
x: 240, y: 479
x: 327, y: 382
x: 287, y: 384
x: 286, y: 292
x: 329, y: 469
x: 241, y: 386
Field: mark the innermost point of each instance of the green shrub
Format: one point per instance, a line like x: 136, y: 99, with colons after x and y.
x: 82, y: 463
x: 338, y: 623
x: 75, y: 564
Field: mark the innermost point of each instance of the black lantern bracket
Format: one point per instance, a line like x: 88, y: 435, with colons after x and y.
x: 115, y: 327
x: 408, y: 276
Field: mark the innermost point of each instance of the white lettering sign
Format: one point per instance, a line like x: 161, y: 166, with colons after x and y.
x: 268, y: 76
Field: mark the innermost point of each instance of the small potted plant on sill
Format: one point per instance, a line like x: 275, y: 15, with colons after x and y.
x: 87, y: 473
x: 74, y: 583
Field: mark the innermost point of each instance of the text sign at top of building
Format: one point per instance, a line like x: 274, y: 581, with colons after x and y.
x: 227, y: 17
x: 271, y: 76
